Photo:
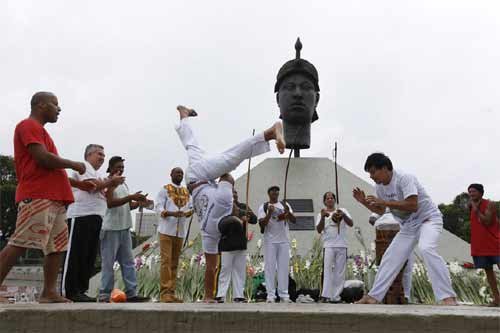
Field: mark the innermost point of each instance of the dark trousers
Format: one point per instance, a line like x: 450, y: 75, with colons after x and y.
x: 79, y: 265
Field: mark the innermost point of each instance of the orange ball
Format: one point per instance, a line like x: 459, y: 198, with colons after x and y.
x: 118, y: 296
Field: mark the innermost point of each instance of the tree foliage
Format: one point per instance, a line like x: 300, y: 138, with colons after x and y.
x: 8, y: 183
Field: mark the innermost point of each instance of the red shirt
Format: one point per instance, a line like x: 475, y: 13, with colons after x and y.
x: 484, y: 240
x: 34, y: 181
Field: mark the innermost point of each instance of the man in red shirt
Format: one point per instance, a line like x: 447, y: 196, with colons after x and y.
x: 484, y: 236
x: 42, y: 194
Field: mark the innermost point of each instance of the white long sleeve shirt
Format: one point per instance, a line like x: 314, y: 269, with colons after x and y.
x: 171, y: 225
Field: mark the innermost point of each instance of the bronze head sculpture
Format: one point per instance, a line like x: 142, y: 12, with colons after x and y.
x: 297, y: 94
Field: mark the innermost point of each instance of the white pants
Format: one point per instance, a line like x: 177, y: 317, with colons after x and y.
x: 426, y: 235
x: 276, y: 259
x: 203, y: 168
x: 334, y: 265
x: 407, y: 276
x: 233, y: 268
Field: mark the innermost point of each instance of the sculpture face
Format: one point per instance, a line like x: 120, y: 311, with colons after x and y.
x: 297, y: 99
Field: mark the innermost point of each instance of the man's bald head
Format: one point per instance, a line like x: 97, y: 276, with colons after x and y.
x: 177, y: 175
x: 41, y: 97
x: 45, y: 107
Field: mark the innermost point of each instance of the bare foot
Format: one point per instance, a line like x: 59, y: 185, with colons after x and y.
x: 184, y: 112
x: 276, y: 133
x: 44, y: 299
x: 449, y: 301
x: 367, y: 300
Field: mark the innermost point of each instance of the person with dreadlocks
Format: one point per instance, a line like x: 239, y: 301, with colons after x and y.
x: 484, y: 236
x: 116, y: 238
x: 332, y: 224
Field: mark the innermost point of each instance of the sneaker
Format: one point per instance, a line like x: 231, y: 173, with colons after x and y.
x: 270, y: 300
x: 240, y: 300
x: 285, y: 300
x: 102, y: 299
x: 137, y: 299
x: 304, y: 299
x: 81, y: 298
x: 324, y: 300
x: 335, y: 301
x: 219, y: 299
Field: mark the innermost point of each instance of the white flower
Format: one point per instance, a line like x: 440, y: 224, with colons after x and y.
x: 260, y: 267
x: 418, y: 269
x: 116, y: 266
x: 482, y: 292
x: 157, y: 258
x: 248, y: 258
x: 307, y: 265
x: 259, y: 243
x: 193, y: 258
x: 294, y: 243
x: 455, y: 268
x: 202, y: 261
x: 149, y: 262
x: 372, y: 246
x: 355, y: 270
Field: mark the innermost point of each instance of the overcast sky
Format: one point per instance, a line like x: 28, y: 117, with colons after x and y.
x: 418, y: 80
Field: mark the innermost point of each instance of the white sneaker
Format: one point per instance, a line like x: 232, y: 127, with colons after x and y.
x: 285, y: 300
x: 270, y: 300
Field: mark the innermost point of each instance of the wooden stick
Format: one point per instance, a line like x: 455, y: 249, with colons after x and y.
x: 336, y: 182
x: 248, y: 190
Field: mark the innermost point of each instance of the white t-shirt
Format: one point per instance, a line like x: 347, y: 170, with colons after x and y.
x: 276, y: 231
x: 171, y: 225
x: 87, y: 203
x: 211, y: 203
x: 400, y: 188
x: 330, y: 234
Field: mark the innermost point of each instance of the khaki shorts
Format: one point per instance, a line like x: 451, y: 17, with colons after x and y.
x: 41, y: 224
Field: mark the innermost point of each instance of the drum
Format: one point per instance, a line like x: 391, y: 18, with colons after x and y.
x: 384, y: 237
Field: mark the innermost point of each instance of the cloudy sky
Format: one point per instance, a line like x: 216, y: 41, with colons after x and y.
x: 418, y: 80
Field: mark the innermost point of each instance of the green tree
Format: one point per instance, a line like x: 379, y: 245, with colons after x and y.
x: 456, y: 216
x: 8, y: 210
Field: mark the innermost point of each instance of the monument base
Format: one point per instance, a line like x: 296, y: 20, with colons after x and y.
x: 256, y: 317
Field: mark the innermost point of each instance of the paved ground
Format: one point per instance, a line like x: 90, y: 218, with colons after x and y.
x: 257, y: 317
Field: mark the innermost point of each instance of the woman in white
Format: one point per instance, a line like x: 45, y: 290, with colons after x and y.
x: 332, y: 224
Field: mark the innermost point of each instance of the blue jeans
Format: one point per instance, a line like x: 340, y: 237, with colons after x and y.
x: 116, y: 245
